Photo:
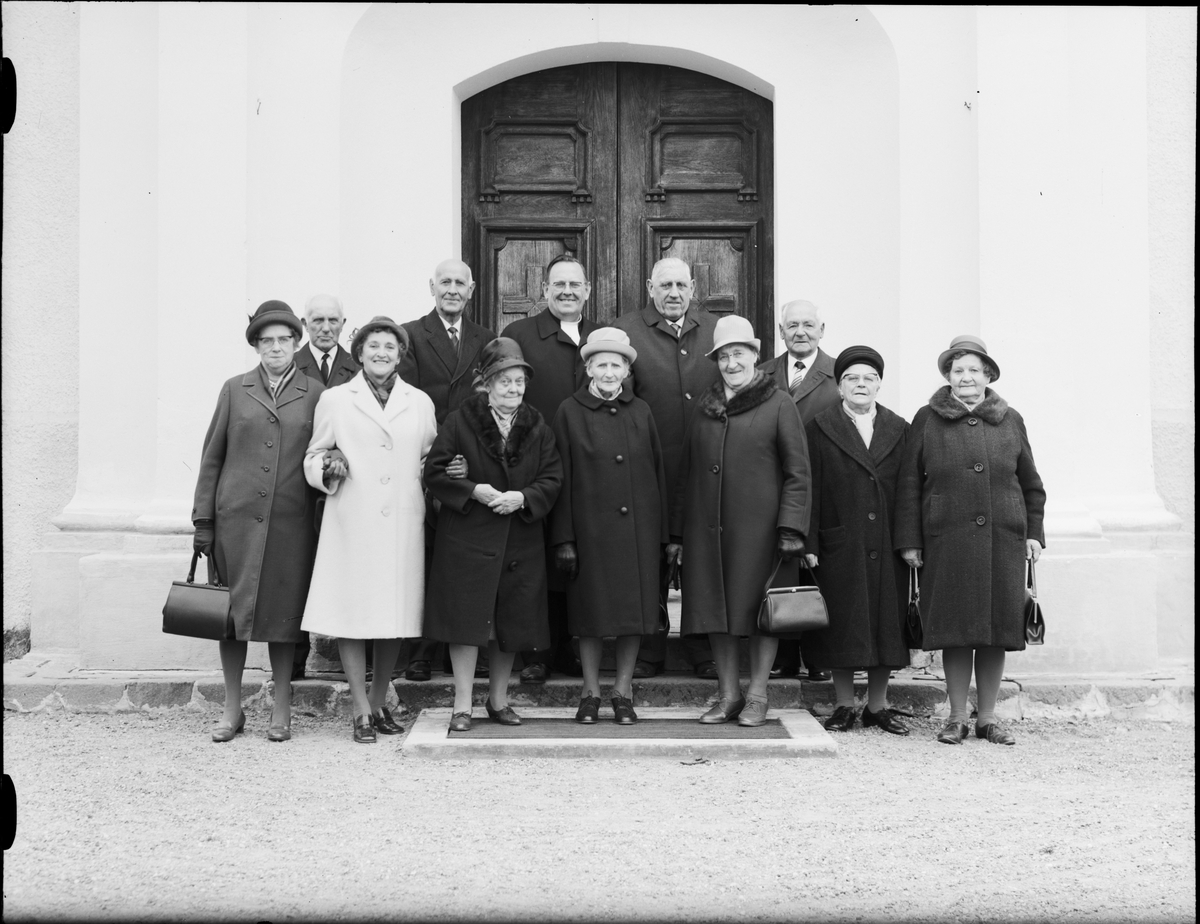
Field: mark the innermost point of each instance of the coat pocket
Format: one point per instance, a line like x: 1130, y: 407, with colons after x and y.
x: 831, y: 539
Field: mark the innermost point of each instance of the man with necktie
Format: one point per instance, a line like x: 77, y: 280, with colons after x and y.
x: 322, y: 357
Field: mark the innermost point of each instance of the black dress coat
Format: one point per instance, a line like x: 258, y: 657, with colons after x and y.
x: 613, y: 506
x: 817, y: 392
x: 489, y: 570
x: 342, y: 367
x: 251, y: 484
x: 744, y: 474
x: 671, y: 375
x: 432, y: 365
x: 969, y: 496
x: 864, y: 582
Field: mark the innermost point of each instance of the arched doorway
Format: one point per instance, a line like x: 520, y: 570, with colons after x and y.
x: 622, y: 164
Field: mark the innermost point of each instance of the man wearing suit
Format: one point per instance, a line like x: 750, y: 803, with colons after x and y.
x: 441, y: 359
x: 672, y: 337
x: 806, y: 371
x: 321, y: 357
x: 550, y: 343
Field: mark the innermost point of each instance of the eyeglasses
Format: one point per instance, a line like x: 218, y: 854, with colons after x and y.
x: 573, y: 286
x: 271, y: 341
x: 855, y: 379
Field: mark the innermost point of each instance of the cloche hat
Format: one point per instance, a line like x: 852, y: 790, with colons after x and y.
x: 608, y: 340
x: 856, y: 354
x: 498, y: 355
x: 377, y: 323
x: 968, y: 343
x: 272, y: 312
x: 733, y: 328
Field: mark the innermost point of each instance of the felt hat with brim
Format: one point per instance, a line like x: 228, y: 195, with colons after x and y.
x: 272, y: 312
x: 498, y: 355
x: 966, y: 343
x: 608, y: 340
x: 856, y: 354
x: 733, y: 329
x: 378, y: 323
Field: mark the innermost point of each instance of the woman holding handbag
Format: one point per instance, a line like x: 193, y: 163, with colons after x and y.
x: 969, y: 508
x: 855, y: 449
x: 741, y: 509
x: 253, y: 512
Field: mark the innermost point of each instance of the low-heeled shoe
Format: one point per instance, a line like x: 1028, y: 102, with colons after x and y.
x: 886, y: 719
x: 418, y: 671
x: 995, y: 733
x: 953, y: 733
x: 589, y: 710
x: 223, y: 731
x: 384, y: 723
x: 280, y: 732
x: 460, y: 722
x: 535, y: 673
x: 644, y: 669
x: 784, y: 672
x: 754, y: 714
x: 842, y: 719
x: 723, y: 711
x: 706, y: 670
x: 504, y: 716
x: 623, y: 713
x: 364, y: 729
x: 815, y: 675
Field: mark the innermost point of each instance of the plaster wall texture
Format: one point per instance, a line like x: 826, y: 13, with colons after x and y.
x: 39, y: 291
x: 1171, y: 103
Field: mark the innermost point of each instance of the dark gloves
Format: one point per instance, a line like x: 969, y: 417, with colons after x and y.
x: 566, y: 560
x: 791, y: 544
x: 202, y: 542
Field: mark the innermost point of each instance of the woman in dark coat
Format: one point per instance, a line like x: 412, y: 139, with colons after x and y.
x: 855, y: 449
x: 741, y: 505
x: 969, y: 506
x: 610, y: 523
x: 487, y: 584
x: 253, y: 510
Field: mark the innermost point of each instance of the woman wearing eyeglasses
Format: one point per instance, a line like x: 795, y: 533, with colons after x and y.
x: 253, y: 510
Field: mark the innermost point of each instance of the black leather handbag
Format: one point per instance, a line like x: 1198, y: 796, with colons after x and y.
x: 914, y: 629
x: 1035, y: 625
x: 789, y: 611
x: 198, y: 610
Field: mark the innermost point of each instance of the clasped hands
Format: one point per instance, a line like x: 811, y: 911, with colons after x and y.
x: 502, y: 502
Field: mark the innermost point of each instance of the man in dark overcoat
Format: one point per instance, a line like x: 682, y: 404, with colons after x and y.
x: 805, y: 371
x: 441, y: 359
x: 672, y: 336
x: 550, y: 343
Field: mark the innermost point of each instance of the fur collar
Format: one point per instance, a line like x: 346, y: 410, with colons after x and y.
x: 761, y: 387
x: 992, y: 408
x: 479, y: 418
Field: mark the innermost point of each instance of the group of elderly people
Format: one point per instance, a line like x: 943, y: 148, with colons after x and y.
x: 452, y: 504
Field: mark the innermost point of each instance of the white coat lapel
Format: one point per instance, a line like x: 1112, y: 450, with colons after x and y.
x: 364, y: 400
x: 398, y: 400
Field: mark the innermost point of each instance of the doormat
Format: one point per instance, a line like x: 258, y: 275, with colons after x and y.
x: 645, y: 728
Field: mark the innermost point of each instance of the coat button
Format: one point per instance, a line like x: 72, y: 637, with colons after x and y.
x: 385, y: 479
x: 873, y: 555
x: 870, y: 516
x: 979, y: 466
x: 688, y: 395
x: 872, y: 477
x: 387, y: 445
x: 271, y: 419
x: 262, y: 493
x: 981, y: 520
x: 683, y: 352
x: 624, y: 510
x: 972, y: 421
x: 716, y: 469
x: 612, y: 410
x: 620, y: 458
x: 266, y: 468
x: 386, y: 512
x: 269, y: 443
x: 512, y: 566
x: 259, y: 519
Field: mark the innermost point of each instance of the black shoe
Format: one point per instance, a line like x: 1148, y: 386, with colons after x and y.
x: 384, y: 723
x: 643, y: 669
x: 784, y: 671
x: 417, y: 670
x: 706, y: 670
x: 504, y: 716
x: 886, y: 719
x: 816, y: 676
x: 623, y: 713
x: 364, y: 729
x: 953, y: 733
x: 994, y: 733
x: 460, y: 722
x: 535, y: 673
x: 842, y: 719
x: 589, y: 710
x: 481, y: 670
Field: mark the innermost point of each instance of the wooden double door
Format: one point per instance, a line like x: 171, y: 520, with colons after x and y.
x: 622, y: 165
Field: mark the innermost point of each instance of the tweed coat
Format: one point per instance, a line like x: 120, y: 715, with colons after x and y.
x: 369, y: 579
x: 864, y: 582
x: 342, y: 367
x: 970, y: 495
x: 671, y: 375
x: 818, y: 391
x: 744, y: 474
x: 558, y: 370
x: 489, y: 569
x: 432, y: 365
x: 251, y: 484
x: 613, y: 506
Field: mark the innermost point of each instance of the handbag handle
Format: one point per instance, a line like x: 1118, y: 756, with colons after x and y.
x: 191, y: 578
x: 1030, y: 578
x: 775, y: 570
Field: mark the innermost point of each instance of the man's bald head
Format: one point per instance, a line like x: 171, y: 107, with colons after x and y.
x: 670, y: 287
x: 801, y: 327
x: 323, y: 319
x: 451, y: 286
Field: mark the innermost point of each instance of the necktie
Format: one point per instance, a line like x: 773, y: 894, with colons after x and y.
x: 453, y: 332
x: 325, y: 368
x: 797, y: 378
x: 677, y: 327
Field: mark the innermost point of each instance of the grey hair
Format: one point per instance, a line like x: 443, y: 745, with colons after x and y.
x: 669, y: 261
x: 800, y: 303
x: 308, y: 305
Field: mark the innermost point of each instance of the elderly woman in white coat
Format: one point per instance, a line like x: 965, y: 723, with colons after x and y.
x: 370, y: 439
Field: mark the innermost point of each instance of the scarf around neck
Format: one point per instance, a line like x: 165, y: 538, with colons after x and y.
x: 276, y: 386
x: 382, y: 391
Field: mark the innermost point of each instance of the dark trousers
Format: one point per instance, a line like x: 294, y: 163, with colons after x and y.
x: 560, y: 654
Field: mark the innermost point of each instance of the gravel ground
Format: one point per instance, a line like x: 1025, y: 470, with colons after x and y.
x: 141, y: 817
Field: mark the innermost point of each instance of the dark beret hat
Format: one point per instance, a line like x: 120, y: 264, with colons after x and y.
x: 377, y: 323
x: 856, y: 354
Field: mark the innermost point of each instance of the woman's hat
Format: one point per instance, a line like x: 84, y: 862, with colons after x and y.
x: 733, y: 328
x: 377, y: 323
x: 966, y: 343
x: 272, y: 312
x: 856, y: 354
x: 498, y: 355
x: 608, y: 340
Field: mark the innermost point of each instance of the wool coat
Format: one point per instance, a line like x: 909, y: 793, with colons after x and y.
x: 432, y: 365
x: 613, y: 506
x: 369, y: 579
x: 744, y: 474
x: 342, y: 367
x: 969, y: 496
x: 251, y: 485
x: 489, y: 569
x: 817, y: 392
x: 671, y: 375
x: 863, y: 580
